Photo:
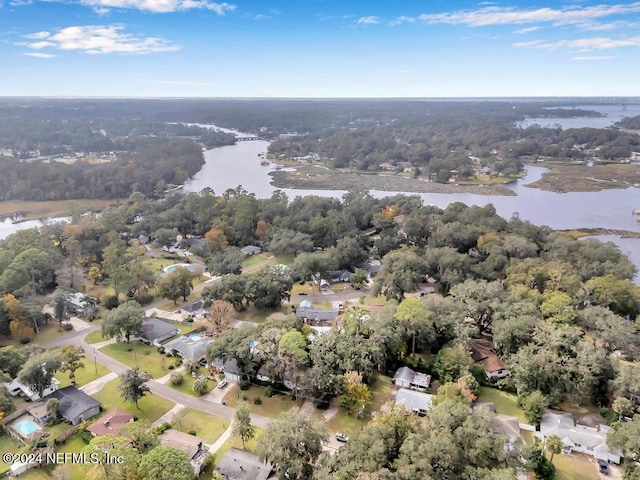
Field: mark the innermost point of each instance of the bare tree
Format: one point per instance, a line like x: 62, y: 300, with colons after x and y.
x: 220, y: 314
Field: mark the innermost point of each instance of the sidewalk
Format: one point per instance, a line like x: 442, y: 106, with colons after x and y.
x: 170, y: 415
x: 223, y: 438
x: 99, y: 345
x: 98, y: 384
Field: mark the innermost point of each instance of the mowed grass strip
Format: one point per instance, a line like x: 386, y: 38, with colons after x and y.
x: 270, y: 407
x: 150, y: 407
x: 506, y: 403
x: 136, y: 353
x: 84, y: 374
x: 207, y: 427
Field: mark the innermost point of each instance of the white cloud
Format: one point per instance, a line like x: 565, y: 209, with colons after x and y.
x: 402, y: 19
x: 99, y: 39
x: 486, y: 16
x: 161, y: 6
x: 584, y: 44
x: 188, y: 83
x: 527, y: 30
x: 40, y: 55
x: 594, y: 58
x: 371, y: 20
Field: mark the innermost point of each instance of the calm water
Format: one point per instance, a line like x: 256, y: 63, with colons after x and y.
x: 613, y: 113
x: 233, y: 165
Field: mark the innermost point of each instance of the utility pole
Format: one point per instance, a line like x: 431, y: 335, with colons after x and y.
x: 95, y: 363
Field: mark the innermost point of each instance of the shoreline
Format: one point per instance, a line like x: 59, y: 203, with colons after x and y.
x: 325, y: 179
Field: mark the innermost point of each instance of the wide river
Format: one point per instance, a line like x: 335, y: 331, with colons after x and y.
x: 233, y: 165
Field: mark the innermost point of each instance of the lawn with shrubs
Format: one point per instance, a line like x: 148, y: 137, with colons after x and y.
x: 147, y: 357
x: 258, y: 400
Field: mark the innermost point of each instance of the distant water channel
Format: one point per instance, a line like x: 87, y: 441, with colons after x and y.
x: 229, y: 166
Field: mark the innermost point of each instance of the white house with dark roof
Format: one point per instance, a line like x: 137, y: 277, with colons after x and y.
x: 576, y: 437
x: 15, y: 387
x: 317, y: 316
x: 194, y: 309
x: 250, y: 250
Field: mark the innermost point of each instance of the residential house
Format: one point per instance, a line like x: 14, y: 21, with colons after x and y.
x: 370, y: 268
x: 16, y: 387
x: 416, y: 402
x: 238, y: 464
x: 192, y: 348
x: 339, y: 276
x: 144, y: 238
x: 80, y: 304
x: 317, y: 316
x: 75, y: 406
x: 111, y: 423
x: 576, y: 437
x: 481, y: 350
x: 406, y: 377
x: 191, y: 445
x: 39, y: 413
x: 155, y: 331
x: 194, y: 309
x: 251, y: 250
x: 229, y: 368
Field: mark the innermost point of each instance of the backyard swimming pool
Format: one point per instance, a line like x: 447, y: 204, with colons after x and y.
x: 195, y: 336
x: 26, y: 427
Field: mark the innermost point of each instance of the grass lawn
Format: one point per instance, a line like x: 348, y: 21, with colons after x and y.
x: 379, y: 301
x: 253, y: 260
x: 249, y: 446
x: 207, y: 427
x: 8, y: 445
x: 307, y: 288
x: 95, y: 337
x: 74, y: 444
x: 341, y: 422
x: 145, y: 356
x: 38, y: 474
x: 270, y: 407
x: 54, y: 208
x: 251, y: 314
x: 84, y: 374
x: 570, y: 467
x: 381, y: 388
x: 506, y: 403
x: 150, y: 406
x: 187, y: 384
x: 286, y: 260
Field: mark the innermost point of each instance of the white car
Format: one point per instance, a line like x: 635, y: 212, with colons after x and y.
x: 222, y: 383
x: 341, y: 437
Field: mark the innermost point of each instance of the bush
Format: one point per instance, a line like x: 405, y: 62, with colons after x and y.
x: 268, y: 392
x: 110, y: 302
x: 129, y: 348
x: 24, y: 340
x: 244, y: 398
x: 178, y: 361
x: 160, y: 350
x: 176, y: 378
x: 161, y: 428
x: 192, y: 432
x: 67, y: 327
x: 244, y: 384
x: 171, y: 367
x: 257, y: 401
x: 189, y: 319
x: 86, y: 436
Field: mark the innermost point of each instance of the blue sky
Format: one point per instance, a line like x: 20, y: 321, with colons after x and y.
x: 319, y: 48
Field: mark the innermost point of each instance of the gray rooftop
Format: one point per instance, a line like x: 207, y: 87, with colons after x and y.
x: 414, y: 401
x: 250, y: 250
x: 193, y: 306
x: 192, y: 348
x: 317, y: 314
x: 73, y: 402
x: 239, y: 464
x: 153, y: 328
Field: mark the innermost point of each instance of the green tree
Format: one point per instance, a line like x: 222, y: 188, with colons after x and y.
x: 123, y: 321
x: 626, y: 437
x: 231, y: 288
x: 37, y: 372
x: 72, y: 360
x: 292, y: 443
x: 538, y: 463
x: 132, y: 385
x: 165, y: 463
x: 292, y: 350
x: 227, y: 261
x: 52, y: 405
x: 553, y: 445
x: 105, y: 447
x: 6, y: 402
x: 142, y: 435
x: 176, y: 378
x: 401, y: 272
x: 534, y: 406
x: 358, y: 279
x: 177, y: 283
x: 452, y: 362
x: 623, y: 407
x: 356, y: 397
x: 60, y: 306
x: 200, y: 386
x: 11, y: 360
x: 242, y: 427
x: 413, y: 315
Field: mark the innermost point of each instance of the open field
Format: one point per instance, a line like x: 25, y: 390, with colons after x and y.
x: 581, y: 178
x: 571, y: 467
x: 84, y: 374
x: 207, y: 427
x: 53, y: 208
x: 150, y: 406
x: 322, y: 178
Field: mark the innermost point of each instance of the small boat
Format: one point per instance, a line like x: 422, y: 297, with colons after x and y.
x: 264, y: 163
x: 636, y: 212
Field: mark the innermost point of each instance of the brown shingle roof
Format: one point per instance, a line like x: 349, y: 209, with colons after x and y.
x: 111, y: 423
x: 189, y: 444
